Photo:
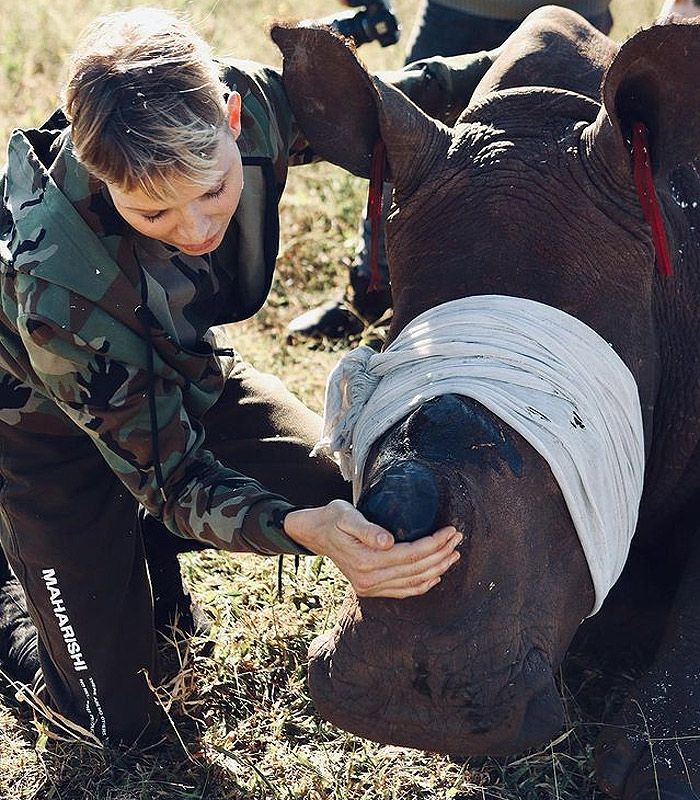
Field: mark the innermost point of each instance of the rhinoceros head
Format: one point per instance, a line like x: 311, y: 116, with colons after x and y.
x: 529, y: 195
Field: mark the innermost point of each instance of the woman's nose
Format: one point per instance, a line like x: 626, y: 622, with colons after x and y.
x: 193, y: 228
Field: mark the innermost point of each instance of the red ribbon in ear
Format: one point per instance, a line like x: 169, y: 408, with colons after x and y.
x: 374, y: 211
x: 646, y: 192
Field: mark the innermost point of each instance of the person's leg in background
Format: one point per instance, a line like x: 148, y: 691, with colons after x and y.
x: 447, y: 31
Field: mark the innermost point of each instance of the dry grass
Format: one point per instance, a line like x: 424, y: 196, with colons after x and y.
x: 243, y: 725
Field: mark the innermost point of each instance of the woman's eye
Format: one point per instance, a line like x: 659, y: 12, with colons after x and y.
x: 153, y: 217
x: 217, y: 192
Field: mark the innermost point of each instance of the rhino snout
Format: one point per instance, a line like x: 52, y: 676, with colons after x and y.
x: 391, y: 694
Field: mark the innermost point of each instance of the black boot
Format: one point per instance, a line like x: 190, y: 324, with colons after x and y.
x: 19, y: 653
x: 346, y: 316
x: 173, y: 607
x: 175, y: 614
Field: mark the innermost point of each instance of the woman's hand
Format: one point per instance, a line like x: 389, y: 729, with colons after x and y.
x: 366, y: 554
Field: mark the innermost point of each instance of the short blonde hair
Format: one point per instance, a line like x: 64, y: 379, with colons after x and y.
x: 145, y: 102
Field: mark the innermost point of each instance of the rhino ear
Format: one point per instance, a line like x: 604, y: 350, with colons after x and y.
x: 331, y: 95
x: 343, y: 110
x: 653, y: 79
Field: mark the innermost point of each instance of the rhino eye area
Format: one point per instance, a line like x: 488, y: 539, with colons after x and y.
x: 404, y: 499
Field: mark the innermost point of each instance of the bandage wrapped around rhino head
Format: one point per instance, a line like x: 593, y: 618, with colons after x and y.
x: 545, y: 373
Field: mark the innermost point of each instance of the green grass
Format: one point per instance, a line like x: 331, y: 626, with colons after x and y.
x: 243, y: 725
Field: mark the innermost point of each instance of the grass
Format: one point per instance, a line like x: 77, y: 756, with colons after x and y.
x: 243, y: 726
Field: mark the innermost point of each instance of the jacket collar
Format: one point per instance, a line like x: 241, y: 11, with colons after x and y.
x: 70, y: 254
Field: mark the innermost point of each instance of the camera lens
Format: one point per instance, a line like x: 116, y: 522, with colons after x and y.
x: 376, y: 22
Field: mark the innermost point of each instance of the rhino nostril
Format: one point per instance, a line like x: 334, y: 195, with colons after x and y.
x: 404, y: 499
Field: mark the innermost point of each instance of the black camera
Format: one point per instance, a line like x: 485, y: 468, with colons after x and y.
x: 374, y: 22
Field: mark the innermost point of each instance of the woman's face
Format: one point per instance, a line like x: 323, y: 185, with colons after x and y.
x: 196, y: 218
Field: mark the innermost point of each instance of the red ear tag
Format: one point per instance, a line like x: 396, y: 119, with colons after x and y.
x: 646, y: 192
x: 374, y: 211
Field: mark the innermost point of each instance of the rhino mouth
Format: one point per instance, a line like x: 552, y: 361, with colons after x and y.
x: 438, y: 691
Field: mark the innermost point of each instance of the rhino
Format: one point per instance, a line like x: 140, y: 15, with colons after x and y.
x: 543, y: 196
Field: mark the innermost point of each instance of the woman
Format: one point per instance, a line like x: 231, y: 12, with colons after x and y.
x: 134, y: 221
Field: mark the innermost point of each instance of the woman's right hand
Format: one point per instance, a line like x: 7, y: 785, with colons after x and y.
x: 366, y: 553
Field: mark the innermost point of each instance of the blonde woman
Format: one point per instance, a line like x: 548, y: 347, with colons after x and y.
x: 138, y: 217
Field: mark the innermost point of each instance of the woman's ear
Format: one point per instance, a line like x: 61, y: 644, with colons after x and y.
x: 233, y: 110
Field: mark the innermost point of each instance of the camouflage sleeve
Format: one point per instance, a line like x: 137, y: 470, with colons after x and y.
x: 441, y: 86
x: 164, y: 467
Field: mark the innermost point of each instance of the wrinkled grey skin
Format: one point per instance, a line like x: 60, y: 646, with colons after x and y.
x: 531, y: 194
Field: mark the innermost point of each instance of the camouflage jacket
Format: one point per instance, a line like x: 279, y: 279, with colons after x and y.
x: 82, y: 354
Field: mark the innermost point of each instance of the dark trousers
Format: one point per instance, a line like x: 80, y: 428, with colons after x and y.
x: 72, y: 536
x: 440, y: 30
